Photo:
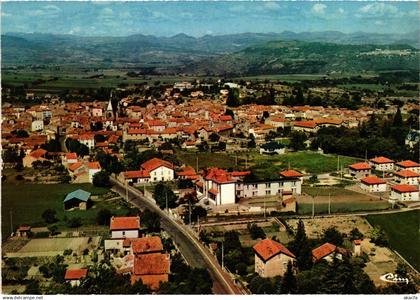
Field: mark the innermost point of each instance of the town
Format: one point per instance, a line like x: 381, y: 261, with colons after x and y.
x: 210, y: 148
x: 239, y: 179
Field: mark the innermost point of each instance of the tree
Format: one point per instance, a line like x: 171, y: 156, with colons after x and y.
x: 233, y: 98
x: 379, y: 237
x: 259, y: 285
x: 297, y: 140
x: 214, y: 137
x: 49, y: 216
x: 251, y: 142
x: 53, y: 229
x: 185, y: 183
x: 101, y: 179
x: 288, y: 282
x: 300, y: 247
x: 74, y: 222
x: 221, y: 146
x: 151, y: 220
x: 256, y: 231
x: 398, y: 121
x: 163, y: 194
x: 355, y: 234
x: 103, y: 217
x: 32, y: 288
x: 333, y: 236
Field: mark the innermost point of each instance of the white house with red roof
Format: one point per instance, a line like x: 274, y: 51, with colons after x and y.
x: 36, y: 155
x: 159, y: 169
x: 124, y: 227
x: 69, y: 158
x: 360, y: 170
x: 382, y: 163
x: 218, y: 186
x: 305, y: 126
x: 407, y: 177
x: 74, y: 276
x: 407, y: 165
x: 272, y: 258
x: 404, y: 192
x: 87, y: 139
x: 93, y: 168
x: 373, y: 184
x: 135, y: 177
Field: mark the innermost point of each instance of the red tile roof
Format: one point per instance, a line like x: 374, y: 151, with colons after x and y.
x: 357, y: 242
x: 408, y: 164
x: 152, y: 281
x: 381, y: 160
x: 71, y: 155
x: 360, y: 166
x: 136, y: 174
x: 24, y: 228
x: 213, y: 191
x: 75, y: 274
x: 94, y: 165
x: 219, y: 176
x: 155, y: 163
x: 75, y: 166
x: 239, y: 173
x: 405, y: 188
x: 372, y: 180
x: 323, y: 250
x: 406, y: 173
x: 125, y: 223
x: 267, y: 249
x: 291, y: 173
x: 306, y: 124
x: 226, y: 118
x: 151, y: 264
x: 147, y: 244
x: 38, y: 153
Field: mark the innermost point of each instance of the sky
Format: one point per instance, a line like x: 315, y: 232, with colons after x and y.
x: 199, y: 18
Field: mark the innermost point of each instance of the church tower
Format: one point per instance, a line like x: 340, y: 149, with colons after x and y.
x: 109, y: 112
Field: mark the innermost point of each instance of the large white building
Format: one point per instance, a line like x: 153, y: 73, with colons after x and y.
x: 159, y: 170
x: 404, y: 192
x: 373, y: 184
x: 382, y: 163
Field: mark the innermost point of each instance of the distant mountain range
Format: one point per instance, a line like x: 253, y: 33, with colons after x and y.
x: 183, y: 53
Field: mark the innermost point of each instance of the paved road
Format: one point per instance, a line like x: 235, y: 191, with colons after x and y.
x: 194, y: 252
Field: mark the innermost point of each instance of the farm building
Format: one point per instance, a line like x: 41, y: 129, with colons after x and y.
x: 360, y: 170
x: 404, y: 192
x: 77, y: 199
x: 327, y: 252
x: 373, y: 184
x: 74, y: 276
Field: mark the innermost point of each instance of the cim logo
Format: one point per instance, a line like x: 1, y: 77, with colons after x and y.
x: 393, y: 278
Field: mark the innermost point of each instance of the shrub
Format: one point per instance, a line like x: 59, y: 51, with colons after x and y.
x: 67, y: 252
x: 74, y: 222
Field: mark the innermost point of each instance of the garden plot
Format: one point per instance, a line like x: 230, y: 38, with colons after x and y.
x: 315, y: 227
x: 51, y: 246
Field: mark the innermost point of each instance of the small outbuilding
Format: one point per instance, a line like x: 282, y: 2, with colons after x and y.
x: 75, y: 276
x: 77, y: 199
x: 24, y: 231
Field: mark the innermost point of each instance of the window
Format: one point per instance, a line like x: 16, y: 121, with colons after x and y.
x: 123, y: 233
x: 268, y: 192
x: 268, y: 185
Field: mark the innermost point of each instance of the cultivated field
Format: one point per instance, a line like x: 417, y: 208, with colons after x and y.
x: 53, y: 246
x: 403, y: 232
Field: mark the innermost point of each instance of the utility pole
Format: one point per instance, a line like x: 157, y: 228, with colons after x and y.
x: 338, y: 163
x: 189, y: 205
x: 126, y: 190
x: 313, y: 207
x: 196, y: 163
x: 264, y: 209
x: 11, y: 223
x: 329, y: 203
x: 223, y: 254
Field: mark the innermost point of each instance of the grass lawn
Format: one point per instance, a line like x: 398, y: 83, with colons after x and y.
x: 266, y: 165
x: 322, y: 208
x: 403, y: 232
x: 28, y: 201
x: 325, y: 191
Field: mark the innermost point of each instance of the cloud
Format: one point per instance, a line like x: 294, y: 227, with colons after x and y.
x: 48, y: 10
x: 379, y: 22
x: 318, y: 9
x: 340, y: 10
x: 378, y: 9
x: 272, y: 5
x: 4, y: 14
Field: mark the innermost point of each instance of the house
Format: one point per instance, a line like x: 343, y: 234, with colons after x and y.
x: 159, y: 170
x: 135, y: 177
x: 150, y: 264
x: 357, y: 247
x: 360, y: 170
x: 327, y: 252
x: 373, y: 184
x: 382, y: 163
x: 24, y: 231
x: 218, y: 187
x: 408, y: 165
x: 407, y: 177
x: 77, y: 199
x: 37, y: 125
x: 305, y: 126
x: 93, y: 168
x: 36, y: 155
x: 151, y: 268
x: 272, y: 148
x: 404, y: 192
x: 70, y: 158
x: 272, y: 258
x: 292, y: 175
x: 74, y: 276
x: 78, y: 172
x: 187, y: 172
x: 87, y: 139
x: 255, y: 188
x: 125, y: 227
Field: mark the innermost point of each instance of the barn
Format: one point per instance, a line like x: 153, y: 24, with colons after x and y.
x: 77, y: 199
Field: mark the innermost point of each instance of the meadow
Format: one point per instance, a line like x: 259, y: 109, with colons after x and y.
x: 27, y: 202
x: 403, y: 233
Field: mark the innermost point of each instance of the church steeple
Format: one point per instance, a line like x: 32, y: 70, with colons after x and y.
x: 109, y: 113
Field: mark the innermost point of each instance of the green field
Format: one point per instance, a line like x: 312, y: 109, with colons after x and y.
x: 26, y: 203
x: 326, y: 191
x: 403, y: 232
x: 265, y: 165
x: 341, y: 207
